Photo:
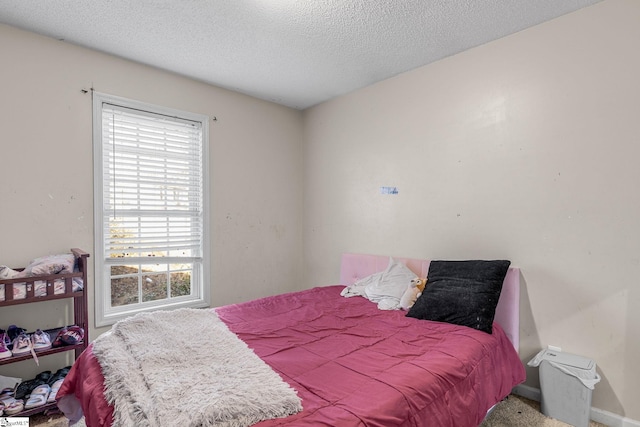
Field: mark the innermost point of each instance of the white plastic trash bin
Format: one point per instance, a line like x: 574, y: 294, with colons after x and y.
x: 566, y: 385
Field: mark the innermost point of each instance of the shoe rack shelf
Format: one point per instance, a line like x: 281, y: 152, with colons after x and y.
x: 80, y: 312
x: 50, y: 408
x: 52, y: 333
x: 80, y: 307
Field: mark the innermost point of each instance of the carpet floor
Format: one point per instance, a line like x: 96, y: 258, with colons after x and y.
x: 514, y: 411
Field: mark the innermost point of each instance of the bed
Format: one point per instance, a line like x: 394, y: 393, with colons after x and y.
x: 352, y: 364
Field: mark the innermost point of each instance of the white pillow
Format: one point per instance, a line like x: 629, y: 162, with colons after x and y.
x: 390, y: 286
x: 358, y: 287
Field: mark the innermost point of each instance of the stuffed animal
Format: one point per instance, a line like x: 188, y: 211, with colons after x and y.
x: 413, y: 292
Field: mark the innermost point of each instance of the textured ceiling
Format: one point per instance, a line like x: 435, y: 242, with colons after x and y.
x: 294, y: 52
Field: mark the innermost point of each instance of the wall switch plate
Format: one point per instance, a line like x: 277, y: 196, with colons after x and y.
x: 554, y: 348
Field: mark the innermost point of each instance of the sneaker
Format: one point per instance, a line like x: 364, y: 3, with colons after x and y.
x: 13, y: 331
x: 40, y: 340
x: 5, y: 338
x: 72, y: 336
x: 21, y: 344
x: 4, y: 349
x: 57, y: 341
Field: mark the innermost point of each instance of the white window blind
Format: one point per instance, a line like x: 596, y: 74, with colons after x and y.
x: 153, y: 177
x: 153, y: 206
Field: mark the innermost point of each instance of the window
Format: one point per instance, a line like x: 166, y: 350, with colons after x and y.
x: 151, y: 208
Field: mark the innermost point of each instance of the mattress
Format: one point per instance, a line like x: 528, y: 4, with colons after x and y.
x: 352, y: 364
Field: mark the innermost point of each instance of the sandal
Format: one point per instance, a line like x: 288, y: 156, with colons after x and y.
x: 38, y: 396
x: 6, y: 401
x: 60, y: 374
x: 44, y: 376
x: 63, y: 371
x: 26, y: 387
x: 54, y: 390
x: 13, y: 407
x: 7, y: 392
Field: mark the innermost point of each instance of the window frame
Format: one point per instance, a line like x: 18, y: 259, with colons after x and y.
x: 105, y: 314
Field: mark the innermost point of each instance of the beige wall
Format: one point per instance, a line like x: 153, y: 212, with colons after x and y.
x: 46, y: 187
x: 525, y: 148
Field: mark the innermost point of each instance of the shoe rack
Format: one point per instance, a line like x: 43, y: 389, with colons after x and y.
x: 80, y: 311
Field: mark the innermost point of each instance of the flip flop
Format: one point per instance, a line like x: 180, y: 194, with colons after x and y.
x: 54, y: 390
x: 42, y: 389
x: 55, y: 378
x: 44, y: 376
x: 35, y: 400
x: 63, y: 371
x: 14, y: 407
x: 7, y: 401
x: 7, y: 392
x: 38, y: 396
x: 60, y: 374
x: 26, y: 387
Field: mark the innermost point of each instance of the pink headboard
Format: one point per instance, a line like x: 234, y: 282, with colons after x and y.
x: 357, y: 266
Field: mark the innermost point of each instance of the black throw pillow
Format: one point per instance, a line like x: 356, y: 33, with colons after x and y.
x: 462, y: 292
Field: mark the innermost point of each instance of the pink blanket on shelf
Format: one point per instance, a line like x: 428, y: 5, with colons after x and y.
x: 353, y: 364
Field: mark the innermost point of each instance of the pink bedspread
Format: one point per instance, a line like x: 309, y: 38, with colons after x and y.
x: 355, y: 365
